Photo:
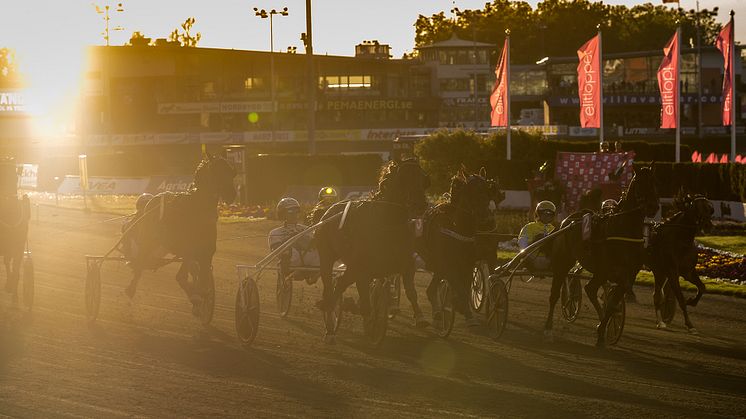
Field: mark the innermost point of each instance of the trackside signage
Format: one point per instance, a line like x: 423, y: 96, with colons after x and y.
x: 104, y: 186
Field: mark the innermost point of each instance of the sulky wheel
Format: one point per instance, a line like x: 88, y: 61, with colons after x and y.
x: 572, y: 297
x: 28, y: 281
x: 332, y: 319
x: 284, y: 291
x: 615, y: 327
x: 669, y: 304
x: 497, y: 309
x: 247, y: 312
x: 478, y: 285
x: 92, y: 290
x: 443, y: 322
x: 377, y: 322
x: 394, y: 282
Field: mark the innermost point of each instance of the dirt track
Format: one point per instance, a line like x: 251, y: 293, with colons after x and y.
x: 152, y: 358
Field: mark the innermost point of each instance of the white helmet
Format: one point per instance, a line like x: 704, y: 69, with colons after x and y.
x: 546, y: 206
x: 285, y: 206
x: 608, y: 205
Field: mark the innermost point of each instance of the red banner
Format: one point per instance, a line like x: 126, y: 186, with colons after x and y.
x: 668, y: 83
x: 589, y: 86
x: 499, y: 96
x: 724, y: 43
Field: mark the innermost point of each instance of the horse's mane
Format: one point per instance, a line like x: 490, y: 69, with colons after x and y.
x: 388, y: 172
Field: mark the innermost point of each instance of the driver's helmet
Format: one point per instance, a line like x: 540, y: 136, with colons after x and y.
x: 546, y: 207
x: 329, y: 194
x: 285, y: 206
x: 608, y: 206
x: 142, y: 201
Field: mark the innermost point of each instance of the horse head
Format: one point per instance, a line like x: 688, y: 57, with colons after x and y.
x: 642, y: 192
x: 215, y: 175
x: 701, y: 210
x: 404, y: 182
x: 475, y: 196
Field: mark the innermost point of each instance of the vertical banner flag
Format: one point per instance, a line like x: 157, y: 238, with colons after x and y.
x: 499, y: 96
x: 668, y: 83
x: 589, y: 87
x: 724, y: 43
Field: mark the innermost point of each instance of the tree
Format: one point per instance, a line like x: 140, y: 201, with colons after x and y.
x: 558, y: 27
x: 184, y: 37
x: 138, y: 39
x: 8, y: 64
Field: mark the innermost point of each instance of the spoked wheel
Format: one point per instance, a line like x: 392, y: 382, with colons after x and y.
x: 92, y: 290
x: 207, y: 308
x: 572, y: 297
x: 497, y: 315
x: 377, y: 322
x: 669, y: 304
x: 284, y: 292
x: 478, y: 285
x: 394, y: 282
x: 247, y: 312
x: 443, y: 322
x: 615, y: 327
x: 28, y: 281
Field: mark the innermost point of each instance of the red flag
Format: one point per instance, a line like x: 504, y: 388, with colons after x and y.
x: 589, y: 87
x: 724, y: 43
x: 668, y: 83
x: 499, y: 96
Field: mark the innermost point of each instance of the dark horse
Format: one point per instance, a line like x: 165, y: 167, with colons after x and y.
x: 614, y: 252
x: 184, y: 225
x: 15, y: 215
x: 448, y: 243
x: 372, y: 237
x: 672, y: 253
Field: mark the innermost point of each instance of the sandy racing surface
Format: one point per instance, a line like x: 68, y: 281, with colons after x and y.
x: 150, y: 357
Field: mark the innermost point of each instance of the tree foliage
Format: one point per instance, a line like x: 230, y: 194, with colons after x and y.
x: 558, y: 27
x: 184, y: 36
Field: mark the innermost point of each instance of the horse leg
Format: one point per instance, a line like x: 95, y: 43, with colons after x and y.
x: 558, y: 278
x: 658, y: 301
x: 693, y: 277
x: 182, y: 278
x: 591, y: 290
x: 411, y: 292
x: 363, y: 291
x: 10, y: 286
x: 432, y: 296
x: 676, y: 287
x: 132, y: 287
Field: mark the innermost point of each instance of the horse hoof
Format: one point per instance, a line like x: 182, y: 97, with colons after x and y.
x: 129, y: 292
x: 548, y: 336
x: 691, y: 302
x: 692, y: 331
x: 661, y: 325
x: 330, y: 339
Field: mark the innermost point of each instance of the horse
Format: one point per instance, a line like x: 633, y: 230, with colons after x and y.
x: 614, y: 252
x: 374, y: 238
x: 15, y: 215
x: 672, y: 253
x: 184, y: 225
x: 448, y: 243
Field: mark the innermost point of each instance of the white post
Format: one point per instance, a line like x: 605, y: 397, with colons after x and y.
x: 507, y: 91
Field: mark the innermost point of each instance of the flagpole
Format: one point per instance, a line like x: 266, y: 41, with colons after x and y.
x: 732, y: 59
x: 507, y: 91
x: 600, y: 88
x: 678, y: 94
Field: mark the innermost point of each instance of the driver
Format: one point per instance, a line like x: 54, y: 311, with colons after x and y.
x: 129, y: 247
x: 542, y: 226
x: 300, y: 253
x: 327, y: 197
x: 608, y: 206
